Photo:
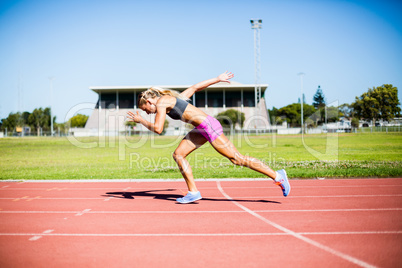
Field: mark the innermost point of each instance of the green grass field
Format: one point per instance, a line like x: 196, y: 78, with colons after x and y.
x: 145, y: 157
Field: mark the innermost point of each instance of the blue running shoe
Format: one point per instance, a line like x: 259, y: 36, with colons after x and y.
x: 190, y: 197
x: 283, y: 182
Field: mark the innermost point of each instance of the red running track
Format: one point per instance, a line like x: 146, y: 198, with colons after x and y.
x: 323, y: 223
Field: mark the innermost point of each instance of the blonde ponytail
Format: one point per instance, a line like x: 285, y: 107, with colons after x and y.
x: 154, y: 92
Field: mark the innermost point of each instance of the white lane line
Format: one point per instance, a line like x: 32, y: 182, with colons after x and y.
x: 63, y: 198
x: 34, y: 238
x: 145, y: 235
x: 240, y: 197
x: 343, y: 196
x: 39, y: 212
x: 78, y: 181
x: 351, y: 233
x: 297, y: 235
x: 334, y: 210
x: 83, y: 212
x: 38, y: 236
x: 226, y: 187
x: 200, y: 211
x: 50, y: 233
x: 309, y: 186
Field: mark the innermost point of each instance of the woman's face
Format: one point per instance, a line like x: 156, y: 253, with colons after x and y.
x: 148, y: 107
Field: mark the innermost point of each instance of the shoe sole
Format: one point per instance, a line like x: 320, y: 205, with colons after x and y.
x: 287, y: 179
x: 189, y: 201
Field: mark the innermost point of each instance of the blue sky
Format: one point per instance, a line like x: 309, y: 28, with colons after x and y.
x: 345, y: 47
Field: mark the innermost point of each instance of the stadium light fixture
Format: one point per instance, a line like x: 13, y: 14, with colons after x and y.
x: 256, y: 25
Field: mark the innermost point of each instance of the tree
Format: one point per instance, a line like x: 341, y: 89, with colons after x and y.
x: 231, y: 117
x: 378, y: 103
x: 47, y: 114
x: 355, y: 122
x: 319, y: 105
x: 292, y: 113
x: 275, y: 118
x: 332, y: 114
x: 12, y: 121
x: 130, y: 123
x: 346, y: 110
x: 39, y: 119
x: 319, y: 99
x: 62, y: 127
x: 78, y: 120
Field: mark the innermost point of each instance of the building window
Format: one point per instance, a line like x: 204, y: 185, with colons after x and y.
x: 108, y: 100
x: 233, y: 98
x: 215, y: 99
x: 248, y: 98
x: 200, y: 99
x: 126, y: 100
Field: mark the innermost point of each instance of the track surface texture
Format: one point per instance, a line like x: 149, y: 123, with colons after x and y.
x: 238, y: 223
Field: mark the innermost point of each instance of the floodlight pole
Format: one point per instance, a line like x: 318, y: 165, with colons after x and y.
x: 301, y: 100
x: 256, y: 25
x: 51, y: 101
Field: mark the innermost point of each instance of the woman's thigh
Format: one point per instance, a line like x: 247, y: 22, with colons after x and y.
x: 193, y: 140
x: 225, y: 147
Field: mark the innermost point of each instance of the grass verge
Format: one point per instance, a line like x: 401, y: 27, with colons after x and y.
x: 146, y: 157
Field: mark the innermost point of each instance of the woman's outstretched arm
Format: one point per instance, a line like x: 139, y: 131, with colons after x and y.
x: 204, y: 84
x: 156, y: 127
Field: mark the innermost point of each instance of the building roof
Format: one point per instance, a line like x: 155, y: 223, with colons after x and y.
x: 217, y: 87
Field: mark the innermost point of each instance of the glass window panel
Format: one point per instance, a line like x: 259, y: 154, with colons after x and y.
x: 126, y: 100
x: 248, y: 98
x: 200, y: 99
x: 108, y: 100
x: 215, y: 99
x: 233, y: 98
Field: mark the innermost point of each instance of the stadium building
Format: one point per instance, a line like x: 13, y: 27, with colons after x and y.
x: 109, y: 114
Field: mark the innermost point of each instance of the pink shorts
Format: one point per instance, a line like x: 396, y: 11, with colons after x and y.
x: 210, y: 128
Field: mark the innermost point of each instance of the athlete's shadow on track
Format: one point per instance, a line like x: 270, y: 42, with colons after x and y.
x: 173, y: 197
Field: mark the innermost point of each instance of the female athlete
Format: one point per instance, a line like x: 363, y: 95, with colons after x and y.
x: 164, y: 102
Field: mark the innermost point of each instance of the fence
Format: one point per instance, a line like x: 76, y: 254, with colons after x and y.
x: 42, y: 133
x: 227, y: 131
x: 386, y: 129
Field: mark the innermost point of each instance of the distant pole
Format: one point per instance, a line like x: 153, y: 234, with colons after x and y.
x: 256, y: 25
x: 301, y: 99
x: 51, y: 101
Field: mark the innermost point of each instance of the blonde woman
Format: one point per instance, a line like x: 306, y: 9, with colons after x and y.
x: 206, y: 128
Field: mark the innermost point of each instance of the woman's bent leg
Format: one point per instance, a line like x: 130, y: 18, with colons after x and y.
x: 191, y: 141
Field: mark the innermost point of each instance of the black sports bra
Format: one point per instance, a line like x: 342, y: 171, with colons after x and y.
x: 177, y: 111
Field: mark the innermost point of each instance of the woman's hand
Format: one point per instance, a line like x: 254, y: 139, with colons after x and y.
x: 225, y: 77
x: 204, y: 84
x: 132, y: 117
